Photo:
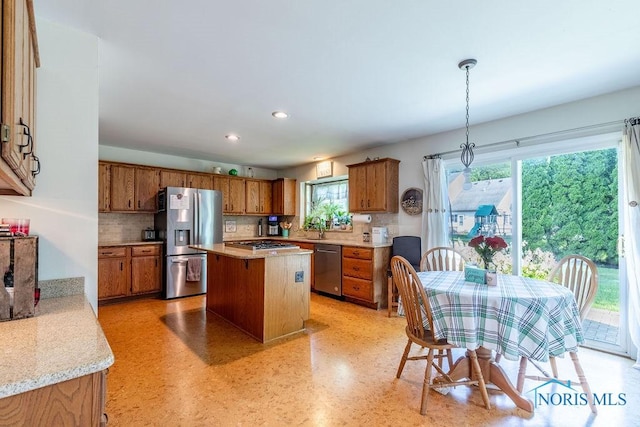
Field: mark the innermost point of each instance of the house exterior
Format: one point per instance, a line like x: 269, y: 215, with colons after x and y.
x: 483, y: 209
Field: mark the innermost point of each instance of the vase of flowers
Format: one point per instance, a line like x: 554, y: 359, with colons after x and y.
x: 487, y: 247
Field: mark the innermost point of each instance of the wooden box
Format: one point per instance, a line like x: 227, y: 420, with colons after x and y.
x: 18, y: 265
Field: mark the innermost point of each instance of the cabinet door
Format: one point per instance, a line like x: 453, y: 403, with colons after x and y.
x: 171, y: 178
x: 200, y: 180
x: 236, y: 196
x: 104, y: 172
x: 252, y: 197
x: 358, y: 188
x: 266, y: 197
x: 145, y: 274
x: 284, y: 196
x: 113, y: 278
x: 122, y: 188
x: 222, y: 184
x: 18, y: 93
x: 376, y: 187
x: 147, y: 183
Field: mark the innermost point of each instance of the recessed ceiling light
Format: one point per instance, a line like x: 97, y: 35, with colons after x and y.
x: 232, y: 137
x: 318, y: 158
x: 279, y: 114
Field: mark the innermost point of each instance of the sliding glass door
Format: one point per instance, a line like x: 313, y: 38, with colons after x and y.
x: 547, y: 203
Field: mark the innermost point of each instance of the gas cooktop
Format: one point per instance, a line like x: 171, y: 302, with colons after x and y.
x: 261, y: 245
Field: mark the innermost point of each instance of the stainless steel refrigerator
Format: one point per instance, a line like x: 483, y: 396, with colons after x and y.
x: 187, y: 216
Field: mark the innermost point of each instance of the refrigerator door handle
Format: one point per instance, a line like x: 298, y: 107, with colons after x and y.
x: 196, y: 219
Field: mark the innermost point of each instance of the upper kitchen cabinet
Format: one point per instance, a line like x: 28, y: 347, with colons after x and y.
x: 104, y: 189
x: 146, y: 189
x: 258, y: 197
x: 232, y: 189
x: 284, y: 196
x: 200, y: 180
x: 131, y: 188
x: 19, y: 164
x: 172, y: 178
x: 373, y: 186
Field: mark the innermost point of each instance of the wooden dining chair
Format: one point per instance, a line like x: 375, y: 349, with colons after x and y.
x: 442, y: 259
x: 580, y: 275
x: 419, y: 331
x: 410, y: 248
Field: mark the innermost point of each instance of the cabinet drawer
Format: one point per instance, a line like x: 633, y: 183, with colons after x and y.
x: 112, y: 252
x: 356, y: 288
x: 361, y: 253
x: 145, y: 250
x: 360, y: 268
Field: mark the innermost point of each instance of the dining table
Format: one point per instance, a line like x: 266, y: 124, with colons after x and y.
x: 517, y: 317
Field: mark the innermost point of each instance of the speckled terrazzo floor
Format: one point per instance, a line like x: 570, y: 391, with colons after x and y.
x: 177, y: 366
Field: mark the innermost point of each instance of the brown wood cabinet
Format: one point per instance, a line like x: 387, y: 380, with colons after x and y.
x: 312, y: 271
x: 113, y: 272
x: 172, y: 178
x: 76, y: 402
x: 19, y: 164
x: 147, y: 183
x: 364, y: 275
x: 233, y: 193
x: 146, y: 269
x: 284, y: 196
x: 258, y: 197
x: 104, y: 189
x: 259, y: 296
x: 125, y: 271
x: 200, y: 180
x: 373, y: 186
x: 130, y: 188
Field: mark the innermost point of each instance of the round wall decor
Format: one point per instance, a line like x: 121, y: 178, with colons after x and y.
x: 411, y: 201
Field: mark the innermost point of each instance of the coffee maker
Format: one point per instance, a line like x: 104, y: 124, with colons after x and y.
x: 272, y: 226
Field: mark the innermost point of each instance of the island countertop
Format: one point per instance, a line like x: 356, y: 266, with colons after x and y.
x: 62, y: 341
x: 222, y: 249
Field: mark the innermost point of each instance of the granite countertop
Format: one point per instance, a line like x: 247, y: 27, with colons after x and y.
x: 355, y: 243
x: 221, y: 249
x: 130, y: 243
x: 62, y: 341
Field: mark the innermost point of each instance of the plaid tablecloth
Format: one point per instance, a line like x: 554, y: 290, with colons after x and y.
x: 518, y: 317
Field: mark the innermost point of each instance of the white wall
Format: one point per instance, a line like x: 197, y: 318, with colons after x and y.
x: 63, y: 209
x: 593, y: 111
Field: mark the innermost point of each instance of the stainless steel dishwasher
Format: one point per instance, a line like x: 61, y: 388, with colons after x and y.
x: 328, y: 269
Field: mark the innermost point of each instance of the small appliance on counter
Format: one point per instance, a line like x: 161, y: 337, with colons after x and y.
x: 379, y: 234
x: 149, y: 235
x: 272, y: 226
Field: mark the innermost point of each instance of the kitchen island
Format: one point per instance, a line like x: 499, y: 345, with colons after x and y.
x: 265, y: 293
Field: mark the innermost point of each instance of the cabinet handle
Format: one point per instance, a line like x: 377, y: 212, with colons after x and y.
x: 26, y: 131
x: 138, y: 204
x: 107, y: 253
x: 257, y: 210
x: 121, y: 265
x: 356, y: 268
x: 129, y: 203
x: 37, y: 160
x: 156, y: 262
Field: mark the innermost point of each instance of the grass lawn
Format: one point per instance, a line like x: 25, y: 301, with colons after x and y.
x: 608, y: 296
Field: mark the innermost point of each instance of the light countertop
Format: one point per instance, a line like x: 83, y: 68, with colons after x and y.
x: 129, y: 243
x: 62, y: 341
x: 221, y: 249
x: 355, y: 243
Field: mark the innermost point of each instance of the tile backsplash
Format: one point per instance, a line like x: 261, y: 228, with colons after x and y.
x: 122, y: 227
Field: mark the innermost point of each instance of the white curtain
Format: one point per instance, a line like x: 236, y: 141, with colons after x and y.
x: 435, y: 215
x: 631, y: 155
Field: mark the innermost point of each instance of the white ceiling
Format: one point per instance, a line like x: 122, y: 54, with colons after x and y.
x: 175, y: 77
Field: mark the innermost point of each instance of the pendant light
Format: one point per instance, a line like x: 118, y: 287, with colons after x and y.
x: 467, y: 148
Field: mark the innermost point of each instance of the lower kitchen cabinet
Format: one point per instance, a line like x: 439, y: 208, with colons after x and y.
x: 364, y: 275
x: 76, y: 402
x: 312, y: 272
x: 125, y: 271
